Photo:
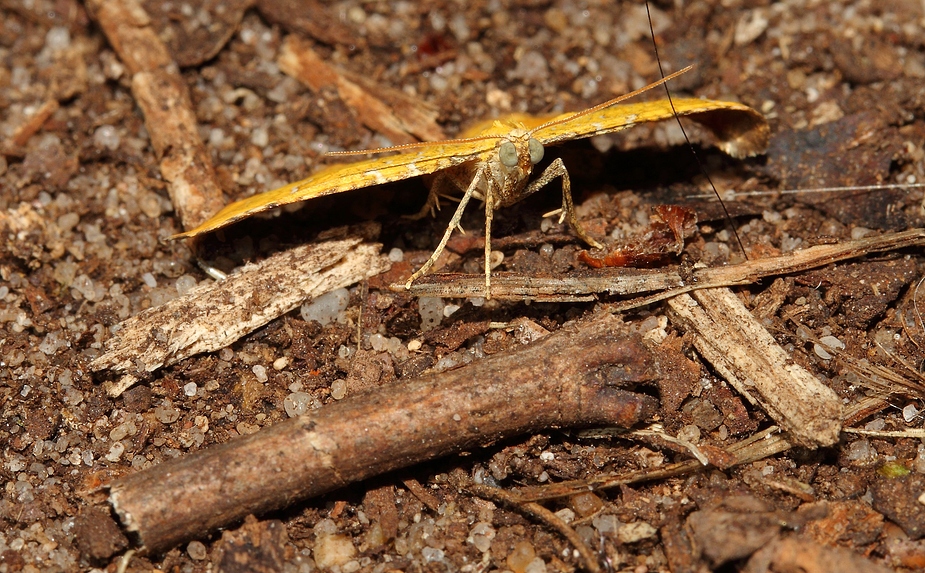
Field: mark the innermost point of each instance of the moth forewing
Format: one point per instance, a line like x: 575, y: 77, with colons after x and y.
x: 412, y: 161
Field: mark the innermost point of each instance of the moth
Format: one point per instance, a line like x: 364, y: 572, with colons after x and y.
x: 494, y: 160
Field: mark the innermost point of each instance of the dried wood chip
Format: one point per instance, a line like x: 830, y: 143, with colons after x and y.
x: 212, y: 316
x: 749, y: 358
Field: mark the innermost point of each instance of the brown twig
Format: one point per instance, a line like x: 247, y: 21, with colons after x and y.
x: 164, y: 99
x: 565, y: 379
x: 764, y: 444
x: 759, y: 446
x: 299, y: 60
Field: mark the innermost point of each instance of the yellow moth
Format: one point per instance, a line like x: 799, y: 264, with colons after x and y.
x: 493, y: 161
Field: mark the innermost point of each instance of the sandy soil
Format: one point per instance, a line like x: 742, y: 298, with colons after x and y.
x: 85, y: 214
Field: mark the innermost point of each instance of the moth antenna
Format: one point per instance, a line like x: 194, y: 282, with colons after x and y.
x: 614, y: 101
x: 687, y: 139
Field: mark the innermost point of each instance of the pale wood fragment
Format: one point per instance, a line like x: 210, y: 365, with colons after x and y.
x: 747, y: 356
x: 212, y: 316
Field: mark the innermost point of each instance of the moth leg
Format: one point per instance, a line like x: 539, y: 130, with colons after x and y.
x: 557, y: 169
x: 432, y: 204
x: 454, y: 223
x: 489, y: 216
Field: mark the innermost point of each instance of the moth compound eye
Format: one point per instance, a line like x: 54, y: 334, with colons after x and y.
x: 508, y: 154
x: 536, y: 151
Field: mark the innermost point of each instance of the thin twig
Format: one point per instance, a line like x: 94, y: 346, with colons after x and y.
x: 664, y: 283
x: 588, y: 558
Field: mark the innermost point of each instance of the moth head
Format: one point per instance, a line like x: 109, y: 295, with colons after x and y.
x: 507, y: 152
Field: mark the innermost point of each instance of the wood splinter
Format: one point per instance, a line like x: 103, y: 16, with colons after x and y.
x: 570, y: 378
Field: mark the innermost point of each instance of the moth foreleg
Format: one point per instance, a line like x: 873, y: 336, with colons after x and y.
x: 557, y: 169
x: 432, y: 204
x: 489, y: 217
x: 454, y: 222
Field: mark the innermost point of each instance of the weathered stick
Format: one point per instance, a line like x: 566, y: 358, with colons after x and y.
x: 566, y: 379
x: 748, y: 357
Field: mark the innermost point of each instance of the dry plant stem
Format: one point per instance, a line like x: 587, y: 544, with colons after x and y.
x: 212, y: 316
x: 561, y: 380
x: 666, y: 283
x: 537, y: 511
x: 164, y: 99
x: 766, y: 443
x: 759, y: 446
x: 748, y: 357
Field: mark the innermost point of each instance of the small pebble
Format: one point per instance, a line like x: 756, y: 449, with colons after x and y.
x: 326, y: 307
x: 521, y: 556
x: 586, y: 503
x: 378, y: 342
x: 910, y: 412
x: 58, y: 38
x: 166, y: 413
x: 536, y: 566
x: 115, y: 452
x: 636, y: 531
x: 185, y: 283
x: 432, y: 554
x: 333, y: 550
x: 481, y: 536
x: 106, y: 137
x: 297, y: 404
x: 190, y: 389
x: 196, y: 550
x: 339, y: 389
x: 431, y: 310
x: 606, y: 523
x: 260, y: 137
x: 860, y: 450
x: 396, y: 255
x: 260, y: 372
x: 690, y: 433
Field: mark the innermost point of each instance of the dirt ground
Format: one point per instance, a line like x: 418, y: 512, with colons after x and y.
x: 86, y: 214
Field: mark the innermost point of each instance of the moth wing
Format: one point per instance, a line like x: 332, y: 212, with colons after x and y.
x: 740, y: 131
x: 428, y: 158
